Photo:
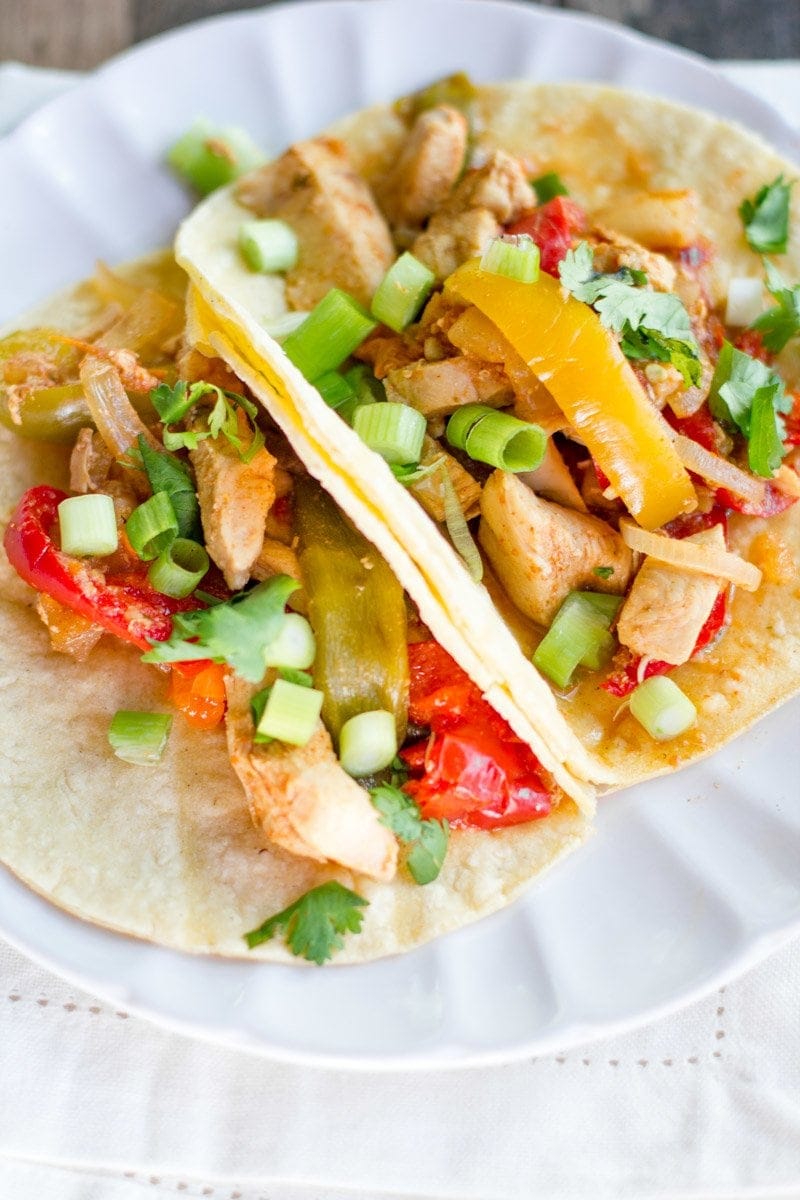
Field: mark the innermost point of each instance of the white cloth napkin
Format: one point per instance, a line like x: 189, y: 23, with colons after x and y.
x: 98, y: 1105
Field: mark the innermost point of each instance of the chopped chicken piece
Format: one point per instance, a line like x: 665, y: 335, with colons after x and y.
x: 275, y: 558
x: 125, y: 495
x: 453, y: 237
x: 666, y: 608
x: 387, y: 352
x: 344, y: 240
x: 427, y: 168
x: 194, y: 366
x: 302, y: 799
x: 486, y: 199
x: 501, y: 185
x: 612, y: 250
x: 430, y: 491
x: 70, y: 633
x: 235, y: 498
x: 438, y: 388
x: 541, y: 551
x: 553, y: 480
x: 89, y: 463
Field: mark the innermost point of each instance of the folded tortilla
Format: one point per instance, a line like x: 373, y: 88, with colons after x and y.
x: 604, y: 142
x: 170, y: 853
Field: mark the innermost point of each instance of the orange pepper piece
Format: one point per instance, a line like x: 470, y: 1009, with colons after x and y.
x: 198, y: 691
x: 564, y: 342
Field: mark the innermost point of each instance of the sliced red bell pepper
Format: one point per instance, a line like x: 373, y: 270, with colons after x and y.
x: 124, y: 605
x: 473, y: 770
x: 553, y: 227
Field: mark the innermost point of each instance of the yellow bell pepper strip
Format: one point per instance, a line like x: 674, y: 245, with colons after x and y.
x: 577, y: 358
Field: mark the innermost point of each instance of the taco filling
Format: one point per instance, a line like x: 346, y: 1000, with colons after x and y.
x: 193, y: 531
x: 605, y: 438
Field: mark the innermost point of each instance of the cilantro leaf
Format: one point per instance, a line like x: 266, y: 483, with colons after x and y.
x: 426, y: 840
x: 603, y: 572
x: 766, y: 217
x: 548, y: 186
x: 173, y: 403
x: 314, y: 925
x: 651, y: 345
x: 168, y: 474
x: 237, y: 632
x: 426, y: 855
x: 747, y: 396
x: 780, y: 323
x: 653, y: 325
x: 765, y: 449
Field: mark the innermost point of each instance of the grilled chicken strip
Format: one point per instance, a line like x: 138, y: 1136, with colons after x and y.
x: 437, y: 389
x: 235, y: 498
x: 344, y: 239
x: 666, y: 607
x: 540, y: 551
x: 486, y: 198
x: 302, y: 799
x: 427, y: 168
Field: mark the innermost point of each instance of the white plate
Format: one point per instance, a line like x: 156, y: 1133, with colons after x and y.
x: 688, y: 880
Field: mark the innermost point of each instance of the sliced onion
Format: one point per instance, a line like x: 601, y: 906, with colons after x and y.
x: 745, y: 301
x: 717, y: 470
x: 787, y: 481
x: 116, y: 419
x: 689, y: 556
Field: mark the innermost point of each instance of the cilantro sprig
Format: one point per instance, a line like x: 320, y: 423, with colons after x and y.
x: 172, y: 403
x: 651, y: 325
x: 779, y: 324
x: 315, y: 924
x: 237, y: 632
x: 747, y: 397
x: 766, y: 217
x: 166, y: 473
x: 426, y: 841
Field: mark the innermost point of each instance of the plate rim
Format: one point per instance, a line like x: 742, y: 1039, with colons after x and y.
x: 574, y: 1033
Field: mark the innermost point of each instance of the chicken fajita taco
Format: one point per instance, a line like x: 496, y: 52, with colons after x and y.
x: 216, y: 680
x: 549, y: 335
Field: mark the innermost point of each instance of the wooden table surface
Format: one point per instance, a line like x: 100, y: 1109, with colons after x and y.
x: 81, y: 33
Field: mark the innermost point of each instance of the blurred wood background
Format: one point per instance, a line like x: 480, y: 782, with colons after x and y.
x: 81, y: 33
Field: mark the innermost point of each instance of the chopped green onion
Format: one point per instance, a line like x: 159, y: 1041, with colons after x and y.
x: 152, y: 526
x: 291, y: 713
x: 548, y: 186
x: 515, y: 257
x: 402, y: 292
x: 139, y: 737
x: 662, y: 708
x: 295, y: 646
x: 328, y: 335
x: 458, y: 529
x: 178, y: 569
x: 366, y: 388
x: 88, y: 525
x: 268, y: 246
x: 497, y: 438
x: 395, y: 431
x: 208, y: 158
x: 765, y: 448
x: 368, y: 742
x: 578, y: 636
x: 334, y: 389
x: 280, y: 327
